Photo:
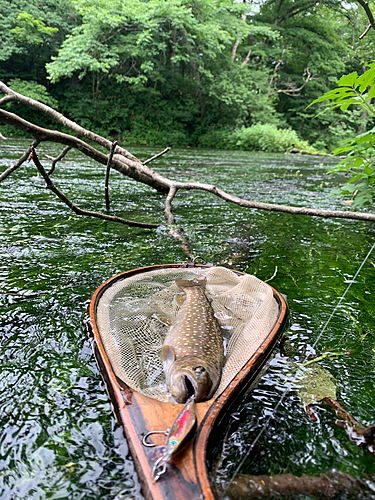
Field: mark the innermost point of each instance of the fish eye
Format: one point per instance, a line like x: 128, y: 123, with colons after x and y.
x: 199, y: 370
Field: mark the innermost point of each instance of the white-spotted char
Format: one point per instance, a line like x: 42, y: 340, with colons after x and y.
x: 193, y: 352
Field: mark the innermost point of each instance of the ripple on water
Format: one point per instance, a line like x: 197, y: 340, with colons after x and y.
x: 59, y: 438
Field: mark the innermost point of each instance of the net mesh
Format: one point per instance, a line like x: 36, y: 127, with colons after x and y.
x: 134, y: 314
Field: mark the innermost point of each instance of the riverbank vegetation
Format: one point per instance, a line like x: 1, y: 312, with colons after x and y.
x: 210, y: 73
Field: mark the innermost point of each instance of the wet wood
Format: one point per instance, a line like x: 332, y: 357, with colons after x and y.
x: 331, y: 485
x: 187, y: 476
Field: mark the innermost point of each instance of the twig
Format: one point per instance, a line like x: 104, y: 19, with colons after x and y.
x: 19, y: 162
x: 168, y: 211
x: 370, y: 16
x: 175, y: 231
x: 291, y: 91
x: 157, y: 156
x: 362, y: 435
x: 106, y: 188
x: 366, y: 31
x: 7, y: 98
x: 50, y: 185
x: 2, y: 137
x: 58, y: 158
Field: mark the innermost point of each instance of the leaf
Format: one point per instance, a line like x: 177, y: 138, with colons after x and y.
x: 367, y: 79
x: 368, y: 170
x: 348, y: 80
x: 316, y: 384
x: 364, y: 138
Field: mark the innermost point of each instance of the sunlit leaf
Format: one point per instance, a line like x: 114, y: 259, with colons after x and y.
x: 348, y: 80
x: 315, y: 384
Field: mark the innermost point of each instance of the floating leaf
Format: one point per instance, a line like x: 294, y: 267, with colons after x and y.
x: 315, y: 384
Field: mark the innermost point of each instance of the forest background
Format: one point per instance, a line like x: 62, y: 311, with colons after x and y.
x: 211, y: 73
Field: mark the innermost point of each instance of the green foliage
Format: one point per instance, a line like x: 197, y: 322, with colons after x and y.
x: 356, y: 90
x: 259, y: 137
x: 30, y: 31
x: 267, y: 138
x: 33, y: 90
x: 186, y: 72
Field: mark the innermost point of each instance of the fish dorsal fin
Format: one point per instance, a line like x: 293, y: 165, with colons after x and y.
x: 191, y: 283
x: 168, y: 357
x: 180, y: 300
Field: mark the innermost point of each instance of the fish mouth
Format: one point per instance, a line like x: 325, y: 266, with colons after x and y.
x: 188, y: 384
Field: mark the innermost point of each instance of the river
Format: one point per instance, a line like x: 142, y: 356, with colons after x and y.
x: 59, y: 437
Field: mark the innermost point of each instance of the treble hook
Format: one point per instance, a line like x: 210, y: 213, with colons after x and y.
x: 178, y: 435
x: 152, y: 445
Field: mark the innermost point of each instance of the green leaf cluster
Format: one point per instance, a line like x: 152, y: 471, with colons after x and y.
x: 358, y: 163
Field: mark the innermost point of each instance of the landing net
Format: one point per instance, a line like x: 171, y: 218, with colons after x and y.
x: 134, y: 314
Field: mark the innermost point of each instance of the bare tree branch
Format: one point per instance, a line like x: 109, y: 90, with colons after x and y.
x: 157, y: 156
x: 370, y: 16
x: 106, y: 187
x: 168, y: 210
x: 175, y: 231
x: 80, y: 131
x: 50, y: 185
x: 274, y: 207
x: 141, y: 173
x: 58, y: 158
x: 365, y: 32
x: 332, y: 484
x: 135, y: 170
x: 4, y: 100
x: 247, y: 58
x: 307, y: 76
x: 19, y: 162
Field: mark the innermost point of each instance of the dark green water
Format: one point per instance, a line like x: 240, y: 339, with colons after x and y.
x: 58, y: 436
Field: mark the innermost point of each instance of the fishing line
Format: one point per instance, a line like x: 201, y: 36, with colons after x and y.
x: 288, y: 388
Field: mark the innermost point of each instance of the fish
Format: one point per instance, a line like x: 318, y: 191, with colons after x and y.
x: 193, y: 351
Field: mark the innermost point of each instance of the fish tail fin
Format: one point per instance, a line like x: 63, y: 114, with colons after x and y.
x: 192, y: 283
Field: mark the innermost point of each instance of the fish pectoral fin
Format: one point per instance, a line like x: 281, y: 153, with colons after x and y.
x: 180, y: 300
x: 163, y: 319
x: 168, y: 357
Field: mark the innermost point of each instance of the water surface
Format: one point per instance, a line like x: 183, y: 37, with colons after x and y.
x: 59, y: 437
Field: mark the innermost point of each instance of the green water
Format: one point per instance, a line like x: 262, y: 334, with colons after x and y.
x: 59, y: 438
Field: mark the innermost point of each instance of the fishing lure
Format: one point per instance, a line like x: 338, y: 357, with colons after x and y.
x: 178, y: 435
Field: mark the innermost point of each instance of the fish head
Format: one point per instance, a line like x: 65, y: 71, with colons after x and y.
x: 190, y: 376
